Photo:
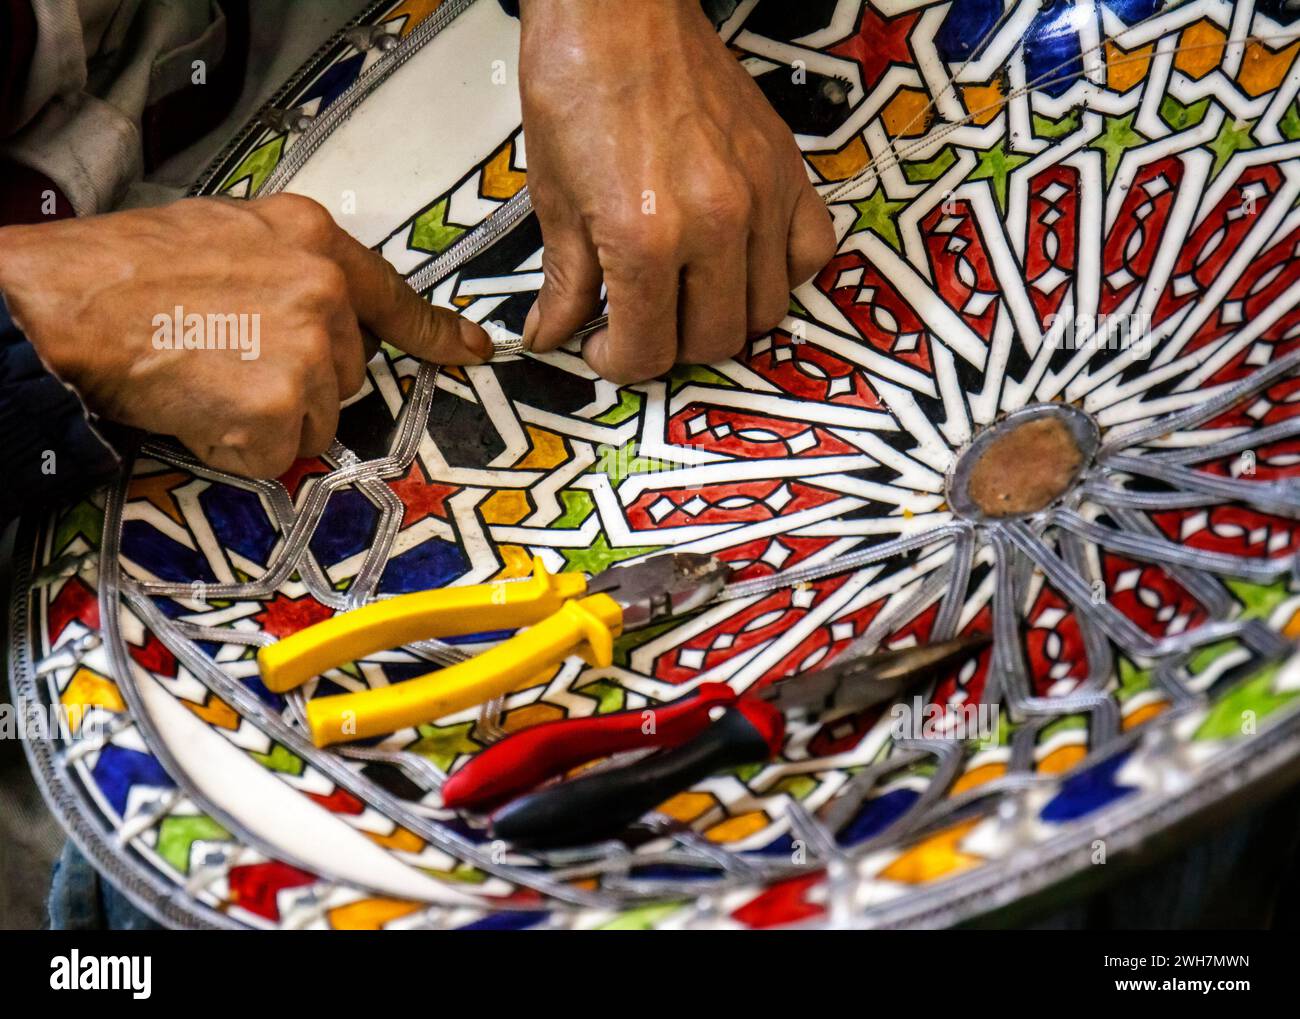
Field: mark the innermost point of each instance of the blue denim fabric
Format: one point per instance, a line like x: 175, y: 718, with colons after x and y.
x: 51, y: 453
x: 81, y: 900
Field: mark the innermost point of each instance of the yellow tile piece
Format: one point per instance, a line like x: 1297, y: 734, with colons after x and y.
x: 978, y: 776
x: 216, y: 712
x: 736, y: 828
x: 508, y: 506
x: 1262, y: 69
x: 847, y: 162
x: 1062, y: 759
x: 87, y: 690
x: 370, y: 914
x: 905, y: 115
x: 686, y: 807
x: 933, y: 858
x: 983, y: 102
x: 547, y: 452
x: 1126, y: 68
x: 1200, y: 50
x: 500, y: 179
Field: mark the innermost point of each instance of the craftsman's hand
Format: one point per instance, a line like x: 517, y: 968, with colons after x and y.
x: 656, y: 164
x: 92, y: 296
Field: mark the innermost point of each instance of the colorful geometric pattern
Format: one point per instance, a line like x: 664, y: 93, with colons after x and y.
x: 1089, y: 203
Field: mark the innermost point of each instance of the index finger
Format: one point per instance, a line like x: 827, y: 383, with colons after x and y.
x: 641, y: 341
x: 396, y: 313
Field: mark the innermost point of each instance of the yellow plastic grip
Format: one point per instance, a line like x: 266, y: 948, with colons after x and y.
x: 587, y: 627
x: 445, y: 612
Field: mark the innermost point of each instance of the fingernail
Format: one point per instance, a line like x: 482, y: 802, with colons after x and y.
x: 530, y: 325
x: 476, y: 340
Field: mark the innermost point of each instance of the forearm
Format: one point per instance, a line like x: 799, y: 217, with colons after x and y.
x: 717, y: 10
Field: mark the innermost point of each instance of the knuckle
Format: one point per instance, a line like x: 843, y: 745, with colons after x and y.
x: 634, y: 241
x: 308, y: 220
x: 278, y: 404
x: 319, y: 282
x: 724, y: 208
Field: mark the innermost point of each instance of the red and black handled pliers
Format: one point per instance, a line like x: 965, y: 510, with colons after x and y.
x: 695, y: 737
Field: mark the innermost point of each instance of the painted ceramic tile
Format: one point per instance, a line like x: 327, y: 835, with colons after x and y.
x: 1062, y: 223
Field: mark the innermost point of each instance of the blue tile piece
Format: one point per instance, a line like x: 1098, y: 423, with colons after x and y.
x: 239, y: 521
x: 334, y: 82
x: 149, y: 548
x: 1053, y: 59
x: 346, y: 527
x: 876, y: 815
x: 1133, y: 11
x: 514, y: 921
x: 1087, y: 791
x: 118, y: 769
x: 966, y: 28
x: 435, y: 563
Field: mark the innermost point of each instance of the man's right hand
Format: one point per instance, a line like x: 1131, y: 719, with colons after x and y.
x: 86, y: 293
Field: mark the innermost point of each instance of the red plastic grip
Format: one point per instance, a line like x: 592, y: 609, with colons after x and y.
x: 530, y: 757
x: 767, y: 719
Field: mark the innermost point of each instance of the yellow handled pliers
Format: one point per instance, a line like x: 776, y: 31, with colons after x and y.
x: 565, y: 614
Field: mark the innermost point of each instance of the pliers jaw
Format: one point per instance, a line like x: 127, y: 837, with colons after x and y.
x: 661, y: 586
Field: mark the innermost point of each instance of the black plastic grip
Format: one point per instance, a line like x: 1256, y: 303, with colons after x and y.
x: 598, y: 806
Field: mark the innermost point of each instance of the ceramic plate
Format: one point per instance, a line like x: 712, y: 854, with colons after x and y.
x: 1045, y: 390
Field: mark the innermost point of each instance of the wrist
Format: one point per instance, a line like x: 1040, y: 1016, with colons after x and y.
x: 25, y: 285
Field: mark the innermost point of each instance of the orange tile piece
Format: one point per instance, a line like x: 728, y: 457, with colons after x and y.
x: 906, y: 114
x: 1262, y: 69
x: 1062, y: 759
x: 1292, y: 628
x: 501, y: 180
x: 1126, y: 68
x: 400, y: 839
x: 1200, y: 50
x: 1143, y: 714
x: 518, y: 563
x: 548, y: 450
x: 216, y: 712
x: 934, y: 857
x: 157, y: 489
x: 739, y: 827
x: 414, y: 11
x: 983, y: 102
x: 531, y: 714
x: 843, y: 164
x: 370, y: 914
x: 508, y: 506
x: 978, y: 776
x: 686, y: 807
